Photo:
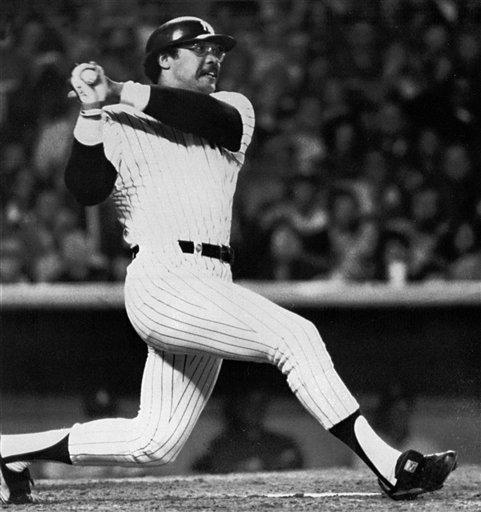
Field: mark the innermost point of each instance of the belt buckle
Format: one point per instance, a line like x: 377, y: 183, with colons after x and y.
x: 198, y: 248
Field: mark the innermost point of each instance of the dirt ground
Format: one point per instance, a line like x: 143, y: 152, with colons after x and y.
x: 314, y: 491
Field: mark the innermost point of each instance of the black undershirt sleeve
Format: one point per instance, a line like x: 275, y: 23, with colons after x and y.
x: 196, y: 113
x: 89, y: 176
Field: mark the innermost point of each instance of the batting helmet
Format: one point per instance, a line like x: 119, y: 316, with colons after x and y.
x: 176, y: 32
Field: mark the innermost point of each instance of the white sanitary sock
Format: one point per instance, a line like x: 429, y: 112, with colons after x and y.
x: 383, y: 456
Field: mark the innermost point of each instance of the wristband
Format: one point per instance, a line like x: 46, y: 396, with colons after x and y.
x: 91, y: 109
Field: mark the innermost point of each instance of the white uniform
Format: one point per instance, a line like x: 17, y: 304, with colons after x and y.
x: 174, y: 186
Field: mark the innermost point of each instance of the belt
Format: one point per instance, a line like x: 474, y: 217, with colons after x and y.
x: 219, y: 252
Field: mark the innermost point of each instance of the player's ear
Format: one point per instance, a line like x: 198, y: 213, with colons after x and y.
x: 164, y: 60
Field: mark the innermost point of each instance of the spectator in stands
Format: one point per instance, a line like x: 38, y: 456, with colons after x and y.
x: 459, y: 182
x: 296, y: 61
x: 246, y: 444
x: 269, y: 99
x: 305, y: 138
x: 436, y: 52
x: 80, y: 263
x: 334, y: 103
x: 468, y: 54
x: 277, y: 158
x: 14, y: 66
x: 259, y: 195
x: 290, y: 260
x: 428, y: 153
x: 287, y: 251
x: 12, y: 163
x: 66, y: 221
x: 392, y: 208
x: 36, y: 227
x: 466, y: 263
x: 46, y: 267
x: 428, y: 227
x: 308, y: 211
x: 118, y: 267
x: 401, y: 70
x: 41, y: 218
x: 392, y: 258
x: 352, y: 239
x: 392, y: 130
x: 119, y: 53
x: 371, y: 182
x: 297, y: 227
x: 82, y: 34
x: 363, y: 60
x: 20, y: 197
x: 51, y: 150
x: 344, y: 149
x: 12, y: 260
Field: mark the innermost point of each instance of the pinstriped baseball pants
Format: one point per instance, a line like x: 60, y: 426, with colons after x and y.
x: 191, y: 320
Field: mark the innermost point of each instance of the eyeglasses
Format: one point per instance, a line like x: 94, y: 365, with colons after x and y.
x: 202, y: 49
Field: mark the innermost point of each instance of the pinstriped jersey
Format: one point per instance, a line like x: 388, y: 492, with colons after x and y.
x: 172, y: 185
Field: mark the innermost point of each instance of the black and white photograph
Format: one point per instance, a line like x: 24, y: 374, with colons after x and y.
x: 240, y: 255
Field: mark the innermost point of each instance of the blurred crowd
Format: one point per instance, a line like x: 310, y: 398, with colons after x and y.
x: 365, y: 163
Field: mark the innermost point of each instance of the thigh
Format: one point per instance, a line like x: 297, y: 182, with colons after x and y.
x: 193, y: 313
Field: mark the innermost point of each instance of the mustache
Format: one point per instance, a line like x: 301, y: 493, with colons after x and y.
x: 209, y: 68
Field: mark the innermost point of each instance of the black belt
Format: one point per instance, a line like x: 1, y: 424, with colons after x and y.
x: 219, y: 252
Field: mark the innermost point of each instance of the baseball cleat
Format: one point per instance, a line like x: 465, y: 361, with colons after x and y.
x: 15, y: 487
x: 417, y: 474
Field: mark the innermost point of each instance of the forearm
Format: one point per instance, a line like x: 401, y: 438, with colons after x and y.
x: 89, y: 176
x: 188, y: 111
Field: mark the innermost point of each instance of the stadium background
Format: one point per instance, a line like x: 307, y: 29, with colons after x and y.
x: 364, y: 169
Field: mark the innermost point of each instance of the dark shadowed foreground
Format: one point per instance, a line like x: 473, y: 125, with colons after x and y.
x: 308, y: 490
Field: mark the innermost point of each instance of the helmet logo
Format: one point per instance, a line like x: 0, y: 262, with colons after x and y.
x: 206, y: 27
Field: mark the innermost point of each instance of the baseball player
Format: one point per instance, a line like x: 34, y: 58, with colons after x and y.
x: 169, y: 155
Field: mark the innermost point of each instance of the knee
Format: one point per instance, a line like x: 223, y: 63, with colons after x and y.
x: 152, y: 453
x: 308, y: 332
x: 308, y: 341
x: 155, y: 447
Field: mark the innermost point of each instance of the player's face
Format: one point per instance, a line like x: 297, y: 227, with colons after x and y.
x: 195, y: 68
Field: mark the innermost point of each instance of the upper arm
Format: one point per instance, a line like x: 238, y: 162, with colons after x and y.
x: 203, y: 115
